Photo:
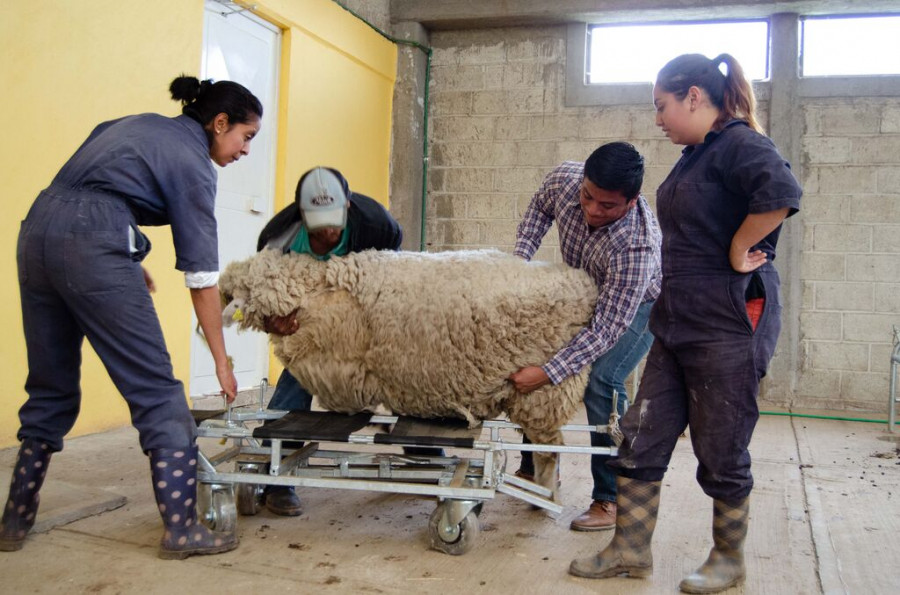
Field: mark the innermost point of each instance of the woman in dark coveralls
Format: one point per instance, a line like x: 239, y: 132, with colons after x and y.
x: 715, y: 323
x: 80, y: 275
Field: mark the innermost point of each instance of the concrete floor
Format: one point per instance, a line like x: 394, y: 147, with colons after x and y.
x: 824, y: 519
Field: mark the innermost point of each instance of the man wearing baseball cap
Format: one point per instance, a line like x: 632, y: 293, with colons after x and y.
x: 326, y: 219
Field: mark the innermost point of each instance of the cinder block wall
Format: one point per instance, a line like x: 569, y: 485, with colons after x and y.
x: 498, y: 124
x: 851, y: 251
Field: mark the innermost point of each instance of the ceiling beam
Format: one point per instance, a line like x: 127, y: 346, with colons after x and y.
x: 473, y: 14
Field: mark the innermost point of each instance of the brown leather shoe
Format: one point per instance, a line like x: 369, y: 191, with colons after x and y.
x: 600, y: 516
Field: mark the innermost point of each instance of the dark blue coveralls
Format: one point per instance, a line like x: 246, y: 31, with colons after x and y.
x: 80, y: 273
x: 706, y: 360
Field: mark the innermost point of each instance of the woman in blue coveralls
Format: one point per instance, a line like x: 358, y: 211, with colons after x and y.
x: 715, y: 323
x: 80, y: 275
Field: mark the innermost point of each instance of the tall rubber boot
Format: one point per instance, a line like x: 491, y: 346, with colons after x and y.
x: 629, y: 552
x: 724, y: 568
x: 24, y: 498
x: 174, y: 473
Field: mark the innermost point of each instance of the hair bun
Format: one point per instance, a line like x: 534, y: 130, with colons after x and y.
x: 185, y: 89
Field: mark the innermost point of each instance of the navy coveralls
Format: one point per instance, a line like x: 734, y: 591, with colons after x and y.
x: 79, y: 254
x: 706, y: 361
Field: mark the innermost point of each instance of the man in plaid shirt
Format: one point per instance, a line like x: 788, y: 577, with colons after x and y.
x: 607, y: 229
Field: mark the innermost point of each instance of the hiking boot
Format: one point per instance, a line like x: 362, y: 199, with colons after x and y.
x: 600, y: 516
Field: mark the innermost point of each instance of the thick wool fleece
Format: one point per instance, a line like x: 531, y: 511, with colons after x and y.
x: 425, y: 334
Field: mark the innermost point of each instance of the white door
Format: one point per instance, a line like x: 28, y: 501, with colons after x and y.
x: 245, y: 49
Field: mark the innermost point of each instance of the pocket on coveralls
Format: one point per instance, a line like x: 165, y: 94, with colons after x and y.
x: 748, y: 298
x: 97, y: 262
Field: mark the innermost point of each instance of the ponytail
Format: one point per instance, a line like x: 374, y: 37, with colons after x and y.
x: 730, y: 92
x: 738, y: 99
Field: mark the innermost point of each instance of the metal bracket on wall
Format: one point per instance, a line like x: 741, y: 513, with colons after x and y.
x: 233, y: 7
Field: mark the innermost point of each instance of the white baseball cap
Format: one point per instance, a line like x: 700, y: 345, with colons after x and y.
x: 323, y: 202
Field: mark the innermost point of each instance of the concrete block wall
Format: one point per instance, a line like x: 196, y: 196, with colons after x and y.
x: 498, y: 124
x: 850, y: 264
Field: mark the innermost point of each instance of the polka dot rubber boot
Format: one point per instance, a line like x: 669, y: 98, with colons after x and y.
x: 174, y: 473
x: 22, y: 504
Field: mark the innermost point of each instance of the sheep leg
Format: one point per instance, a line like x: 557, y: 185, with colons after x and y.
x: 546, y: 464
x: 546, y: 472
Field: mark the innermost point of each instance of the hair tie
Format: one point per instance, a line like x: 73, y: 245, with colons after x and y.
x: 717, y: 63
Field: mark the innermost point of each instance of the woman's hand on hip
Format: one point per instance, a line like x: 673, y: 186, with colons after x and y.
x: 754, y: 229
x: 744, y: 261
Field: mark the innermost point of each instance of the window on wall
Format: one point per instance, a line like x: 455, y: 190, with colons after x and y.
x: 635, y: 53
x: 850, y: 45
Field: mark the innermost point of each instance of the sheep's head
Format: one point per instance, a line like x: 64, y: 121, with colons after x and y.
x: 234, y: 291
x: 233, y: 281
x: 268, y: 284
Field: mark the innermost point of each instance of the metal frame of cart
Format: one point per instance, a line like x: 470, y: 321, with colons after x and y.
x: 460, y: 483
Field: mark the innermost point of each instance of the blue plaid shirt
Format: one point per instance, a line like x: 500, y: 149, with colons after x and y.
x: 623, y: 258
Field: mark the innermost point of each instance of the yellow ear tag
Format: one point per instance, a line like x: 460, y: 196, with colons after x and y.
x: 238, y: 315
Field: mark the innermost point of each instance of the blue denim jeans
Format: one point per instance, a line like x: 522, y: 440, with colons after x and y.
x: 289, y: 395
x: 608, y: 373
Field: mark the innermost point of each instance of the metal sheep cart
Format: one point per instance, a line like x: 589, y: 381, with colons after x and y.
x: 232, y: 480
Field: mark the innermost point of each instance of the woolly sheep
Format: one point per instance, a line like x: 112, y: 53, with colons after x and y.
x: 424, y: 334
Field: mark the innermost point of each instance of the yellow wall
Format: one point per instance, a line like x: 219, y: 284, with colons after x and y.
x: 67, y: 66
x: 337, y: 86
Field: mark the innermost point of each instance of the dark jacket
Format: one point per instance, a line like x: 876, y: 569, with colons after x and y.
x: 371, y: 226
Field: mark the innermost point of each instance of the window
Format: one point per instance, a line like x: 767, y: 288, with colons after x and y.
x: 850, y: 45
x: 635, y: 53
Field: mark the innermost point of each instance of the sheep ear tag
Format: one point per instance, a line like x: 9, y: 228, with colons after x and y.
x: 233, y: 312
